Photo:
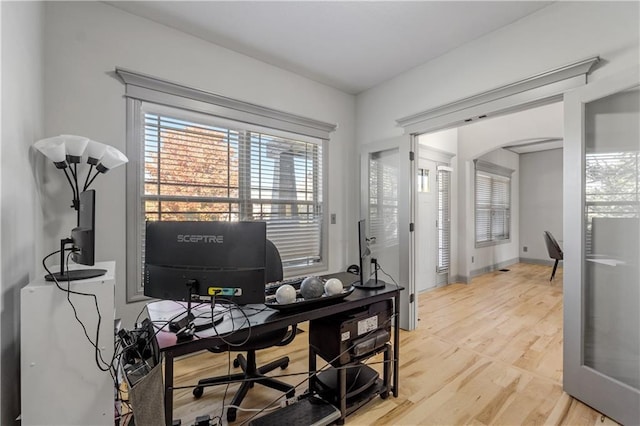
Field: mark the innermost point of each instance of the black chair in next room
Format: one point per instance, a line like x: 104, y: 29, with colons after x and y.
x: 555, y: 252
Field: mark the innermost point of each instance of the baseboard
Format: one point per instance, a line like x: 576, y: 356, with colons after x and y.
x: 458, y: 279
x: 547, y: 262
x: 494, y: 267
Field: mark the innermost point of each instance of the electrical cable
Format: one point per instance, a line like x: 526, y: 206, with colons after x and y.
x: 323, y: 368
x: 384, y: 272
x: 99, y: 360
x: 68, y: 291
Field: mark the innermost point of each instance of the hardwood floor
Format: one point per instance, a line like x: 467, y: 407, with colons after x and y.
x: 487, y: 353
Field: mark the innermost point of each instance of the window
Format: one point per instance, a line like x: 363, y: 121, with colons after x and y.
x: 612, y: 192
x: 422, y: 182
x: 492, y: 203
x: 193, y: 165
x: 443, y: 178
x: 383, y: 198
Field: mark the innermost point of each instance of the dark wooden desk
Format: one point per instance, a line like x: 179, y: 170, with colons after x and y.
x: 268, y: 320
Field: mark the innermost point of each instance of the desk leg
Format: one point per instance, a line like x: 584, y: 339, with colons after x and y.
x: 342, y: 386
x: 168, y: 388
x: 312, y: 370
x: 386, y: 369
x: 396, y: 344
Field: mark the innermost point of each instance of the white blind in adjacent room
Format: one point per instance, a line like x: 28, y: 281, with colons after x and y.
x: 492, y: 203
x: 444, y: 219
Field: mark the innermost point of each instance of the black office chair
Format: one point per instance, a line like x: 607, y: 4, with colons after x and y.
x: 555, y: 252
x: 251, y: 373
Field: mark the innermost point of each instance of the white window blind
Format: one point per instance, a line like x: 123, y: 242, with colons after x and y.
x: 383, y: 198
x: 201, y: 171
x: 443, y: 177
x: 492, y: 203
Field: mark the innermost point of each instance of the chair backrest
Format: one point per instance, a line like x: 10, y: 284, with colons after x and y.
x: 274, y: 270
x: 555, y: 252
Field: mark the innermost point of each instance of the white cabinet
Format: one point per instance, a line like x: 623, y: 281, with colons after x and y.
x: 61, y: 381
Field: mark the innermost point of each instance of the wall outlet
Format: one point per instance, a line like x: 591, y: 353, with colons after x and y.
x: 525, y: 249
x: 333, y: 218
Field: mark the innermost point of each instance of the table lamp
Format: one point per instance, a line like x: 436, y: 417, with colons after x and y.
x: 67, y: 151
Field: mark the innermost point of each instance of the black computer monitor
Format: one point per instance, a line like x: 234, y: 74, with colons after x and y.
x: 188, y: 261
x: 82, y: 241
x: 366, y: 262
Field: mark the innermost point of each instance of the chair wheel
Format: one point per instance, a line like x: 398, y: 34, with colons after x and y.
x: 384, y: 395
x: 198, y: 391
x: 231, y: 415
x: 283, y: 366
x: 236, y: 363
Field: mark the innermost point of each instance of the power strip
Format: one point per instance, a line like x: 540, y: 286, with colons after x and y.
x: 290, y: 401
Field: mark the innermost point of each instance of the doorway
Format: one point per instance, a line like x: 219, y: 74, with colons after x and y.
x: 433, y: 210
x: 584, y: 363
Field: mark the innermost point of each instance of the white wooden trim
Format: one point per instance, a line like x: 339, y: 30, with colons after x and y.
x: 536, y: 90
x: 156, y: 90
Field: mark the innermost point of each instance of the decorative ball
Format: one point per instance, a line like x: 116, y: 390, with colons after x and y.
x: 311, y: 287
x: 333, y: 286
x: 285, y: 294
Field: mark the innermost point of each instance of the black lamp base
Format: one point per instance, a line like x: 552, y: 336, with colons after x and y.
x: 76, y: 274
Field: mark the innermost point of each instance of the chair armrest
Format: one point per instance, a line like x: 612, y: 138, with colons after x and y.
x: 291, y: 334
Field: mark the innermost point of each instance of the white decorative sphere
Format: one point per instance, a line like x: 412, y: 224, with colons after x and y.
x: 285, y: 294
x: 311, y: 287
x: 333, y: 286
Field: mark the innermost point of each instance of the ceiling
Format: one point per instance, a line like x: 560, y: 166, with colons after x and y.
x: 349, y: 45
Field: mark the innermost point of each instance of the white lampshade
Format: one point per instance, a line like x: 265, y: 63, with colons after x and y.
x: 95, y: 151
x: 54, y: 149
x: 111, y: 159
x: 75, y: 146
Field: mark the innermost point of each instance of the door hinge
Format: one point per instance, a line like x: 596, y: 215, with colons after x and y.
x: 412, y: 298
x: 411, y: 226
x: 411, y: 155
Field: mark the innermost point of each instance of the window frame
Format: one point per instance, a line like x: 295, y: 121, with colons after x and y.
x: 494, y: 171
x: 141, y: 89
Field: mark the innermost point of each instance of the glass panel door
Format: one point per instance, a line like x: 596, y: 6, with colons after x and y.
x: 602, y: 250
x: 387, y: 205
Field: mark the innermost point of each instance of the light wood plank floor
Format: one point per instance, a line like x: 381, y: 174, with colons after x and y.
x: 487, y: 353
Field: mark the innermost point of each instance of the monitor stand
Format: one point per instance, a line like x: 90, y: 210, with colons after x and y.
x: 75, y: 274
x: 188, y: 324
x: 371, y: 284
x: 200, y: 318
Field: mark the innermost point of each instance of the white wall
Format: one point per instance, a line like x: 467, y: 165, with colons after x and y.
x: 559, y: 34
x: 85, y: 41
x: 540, y: 202
x: 20, y: 222
x: 576, y: 30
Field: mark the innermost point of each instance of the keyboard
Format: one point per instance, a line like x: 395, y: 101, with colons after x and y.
x: 271, y: 288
